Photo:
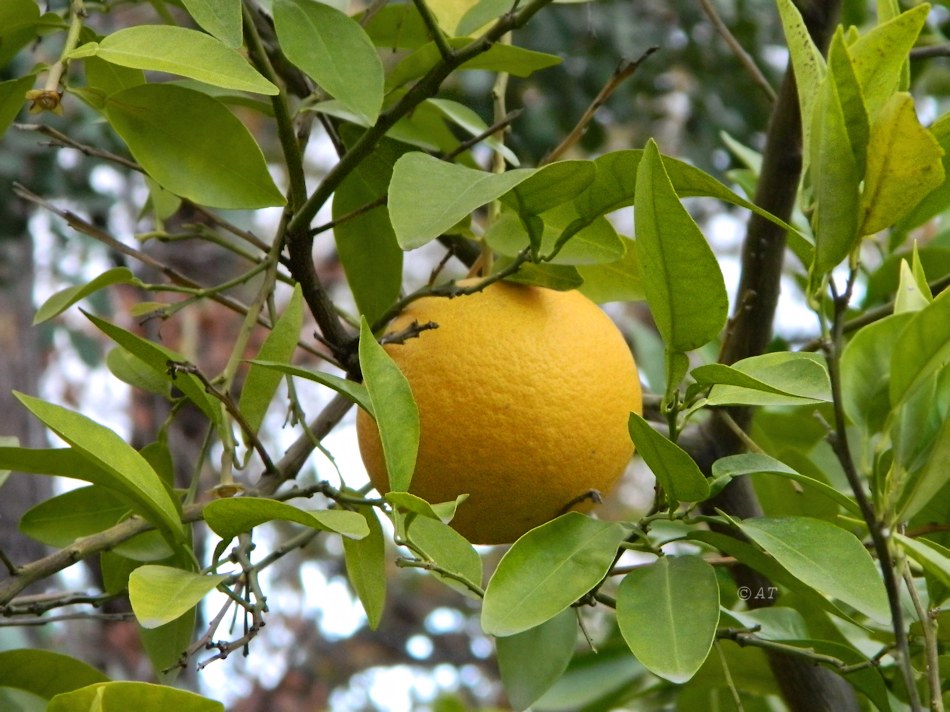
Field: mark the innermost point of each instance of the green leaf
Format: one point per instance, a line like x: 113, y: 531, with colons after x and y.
x: 825, y: 557
x: 617, y: 281
x: 366, y: 567
x: 125, y: 696
x: 124, y: 468
x: 481, y: 13
x: 394, y: 409
x: 777, y: 378
x: 547, y: 570
x: 532, y: 661
x: 229, y: 517
x: 449, y: 550
x: 926, y: 482
x: 335, y: 51
x: 11, y: 98
x: 727, y: 468
x: 922, y: 348
x: 62, y: 519
x: 166, y: 644
x: 45, y: 673
x: 356, y: 392
x: 160, y: 594
x: 934, y: 558
x: 852, y: 102
x: 110, y: 78
x: 193, y: 146
x: 681, y: 277
x: 866, y: 371
x: 904, y: 165
x: 220, y: 18
x: 834, y: 183
x: 881, y: 55
x: 181, y: 51
x: 157, y: 357
x: 668, y: 613
x: 18, y: 27
x: 366, y: 243
x: 564, y: 238
x: 470, y: 122
x: 428, y: 196
x: 406, y: 502
x: 913, y: 294
x: 809, y: 65
x: 62, y: 300
x: 676, y: 472
x: 614, y: 186
x: 396, y: 26
x: 138, y: 374
x: 261, y: 383
x: 550, y: 186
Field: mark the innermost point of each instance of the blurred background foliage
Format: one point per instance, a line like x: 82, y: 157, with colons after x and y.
x: 317, y: 652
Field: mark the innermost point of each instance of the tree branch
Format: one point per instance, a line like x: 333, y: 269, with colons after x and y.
x: 806, y: 688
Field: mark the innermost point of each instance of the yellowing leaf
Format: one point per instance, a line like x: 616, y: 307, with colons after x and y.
x: 903, y: 165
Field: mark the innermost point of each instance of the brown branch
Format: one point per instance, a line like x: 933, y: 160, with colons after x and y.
x: 806, y: 688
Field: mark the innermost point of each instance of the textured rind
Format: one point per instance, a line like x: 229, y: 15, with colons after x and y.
x: 524, y: 395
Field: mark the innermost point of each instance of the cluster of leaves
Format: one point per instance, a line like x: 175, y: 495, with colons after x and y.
x: 406, y: 179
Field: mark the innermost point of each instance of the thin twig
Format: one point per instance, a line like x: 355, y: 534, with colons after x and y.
x: 937, y: 50
x: 499, y: 125
x: 355, y: 213
x: 876, y: 528
x: 745, y: 59
x: 624, y: 71
x: 931, y: 651
x: 61, y: 140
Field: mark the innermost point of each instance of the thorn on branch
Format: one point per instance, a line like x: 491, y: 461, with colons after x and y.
x: 410, y: 332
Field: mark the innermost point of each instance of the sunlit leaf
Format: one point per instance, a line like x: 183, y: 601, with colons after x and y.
x: 834, y: 181
x: 45, y: 673
x: 160, y: 594
x: 123, y: 467
x: 681, y: 277
x: 116, y: 696
x: 182, y: 51
x: 220, y: 18
x: 193, y: 146
x: 334, y: 51
x: 428, y: 196
x: 229, y: 517
x: 547, y: 570
x: 777, y: 378
x: 904, y: 165
x: 668, y: 613
x: 807, y: 61
x: 881, y: 54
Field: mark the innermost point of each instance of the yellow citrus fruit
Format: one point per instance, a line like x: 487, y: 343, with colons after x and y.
x: 524, y: 395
